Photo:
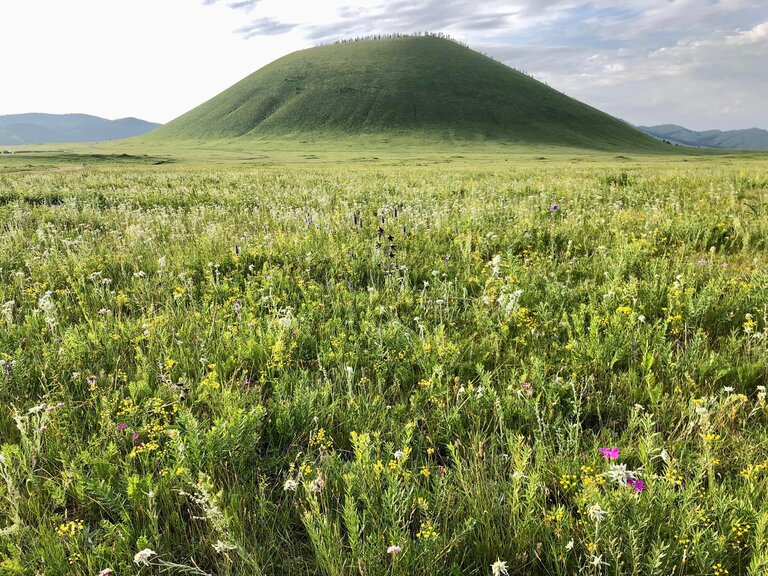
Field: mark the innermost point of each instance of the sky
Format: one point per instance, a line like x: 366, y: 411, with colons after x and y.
x: 702, y: 64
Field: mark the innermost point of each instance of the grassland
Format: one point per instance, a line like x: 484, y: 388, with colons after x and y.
x: 397, y: 87
x: 310, y: 367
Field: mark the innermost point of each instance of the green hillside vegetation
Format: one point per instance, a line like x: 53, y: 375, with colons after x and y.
x: 400, y: 86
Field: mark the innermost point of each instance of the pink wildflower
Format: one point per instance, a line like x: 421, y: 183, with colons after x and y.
x: 609, y: 453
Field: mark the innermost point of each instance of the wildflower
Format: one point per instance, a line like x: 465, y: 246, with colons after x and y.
x: 596, y: 513
x: 427, y: 531
x: 221, y: 547
x: 570, y: 545
x: 135, y: 436
x: 290, y: 485
x: 618, y: 473
x: 142, y: 557
x: 499, y: 568
x: 106, y: 571
x: 394, y: 549
x: 554, y: 208
x: 122, y: 426
x: 609, y: 453
x: 637, y: 484
x: 317, y: 485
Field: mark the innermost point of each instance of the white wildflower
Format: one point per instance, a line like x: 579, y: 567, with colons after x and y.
x: 46, y: 305
x: 618, y: 473
x: 142, y: 557
x: 7, y: 311
x: 290, y: 485
x: 597, y: 561
x: 596, y: 513
x: 727, y: 389
x: 317, y: 485
x: 399, y: 455
x: 570, y: 545
x: 222, y: 547
x: 499, y: 568
x: 665, y: 455
x: 495, y: 263
x: 761, y: 393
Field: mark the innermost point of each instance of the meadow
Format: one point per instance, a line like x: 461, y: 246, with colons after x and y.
x: 547, y: 367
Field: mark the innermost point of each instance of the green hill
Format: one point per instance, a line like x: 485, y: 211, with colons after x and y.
x: 400, y: 86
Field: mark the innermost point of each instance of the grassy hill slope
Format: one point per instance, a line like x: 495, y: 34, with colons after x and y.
x: 408, y: 85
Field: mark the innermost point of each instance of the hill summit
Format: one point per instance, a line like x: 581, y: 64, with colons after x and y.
x: 400, y: 85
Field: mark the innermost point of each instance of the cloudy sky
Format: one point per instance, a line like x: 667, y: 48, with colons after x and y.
x: 699, y: 63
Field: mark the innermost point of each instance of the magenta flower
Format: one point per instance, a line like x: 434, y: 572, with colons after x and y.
x: 135, y: 436
x: 609, y: 453
x: 106, y: 571
x: 637, y: 484
x: 122, y: 426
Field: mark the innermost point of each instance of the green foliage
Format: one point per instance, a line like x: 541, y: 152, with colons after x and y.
x: 377, y: 370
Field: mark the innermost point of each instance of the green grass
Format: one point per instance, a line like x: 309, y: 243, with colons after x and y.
x: 430, y: 87
x: 306, y: 390
x: 43, y: 158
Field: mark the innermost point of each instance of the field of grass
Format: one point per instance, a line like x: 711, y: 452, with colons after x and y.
x: 523, y: 365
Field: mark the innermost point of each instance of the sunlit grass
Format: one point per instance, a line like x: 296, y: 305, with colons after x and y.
x: 303, y: 369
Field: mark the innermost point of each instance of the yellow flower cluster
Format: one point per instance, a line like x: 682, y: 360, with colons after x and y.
x: 740, y: 532
x: 590, y: 478
x: 673, y: 476
x: 568, y: 481
x: 752, y: 471
x: 70, y: 529
x: 321, y: 440
x: 427, y: 531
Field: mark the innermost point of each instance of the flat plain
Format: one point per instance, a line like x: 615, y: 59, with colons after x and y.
x: 403, y: 361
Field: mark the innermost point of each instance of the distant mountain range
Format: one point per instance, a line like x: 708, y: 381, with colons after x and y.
x: 19, y: 129
x: 751, y: 139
